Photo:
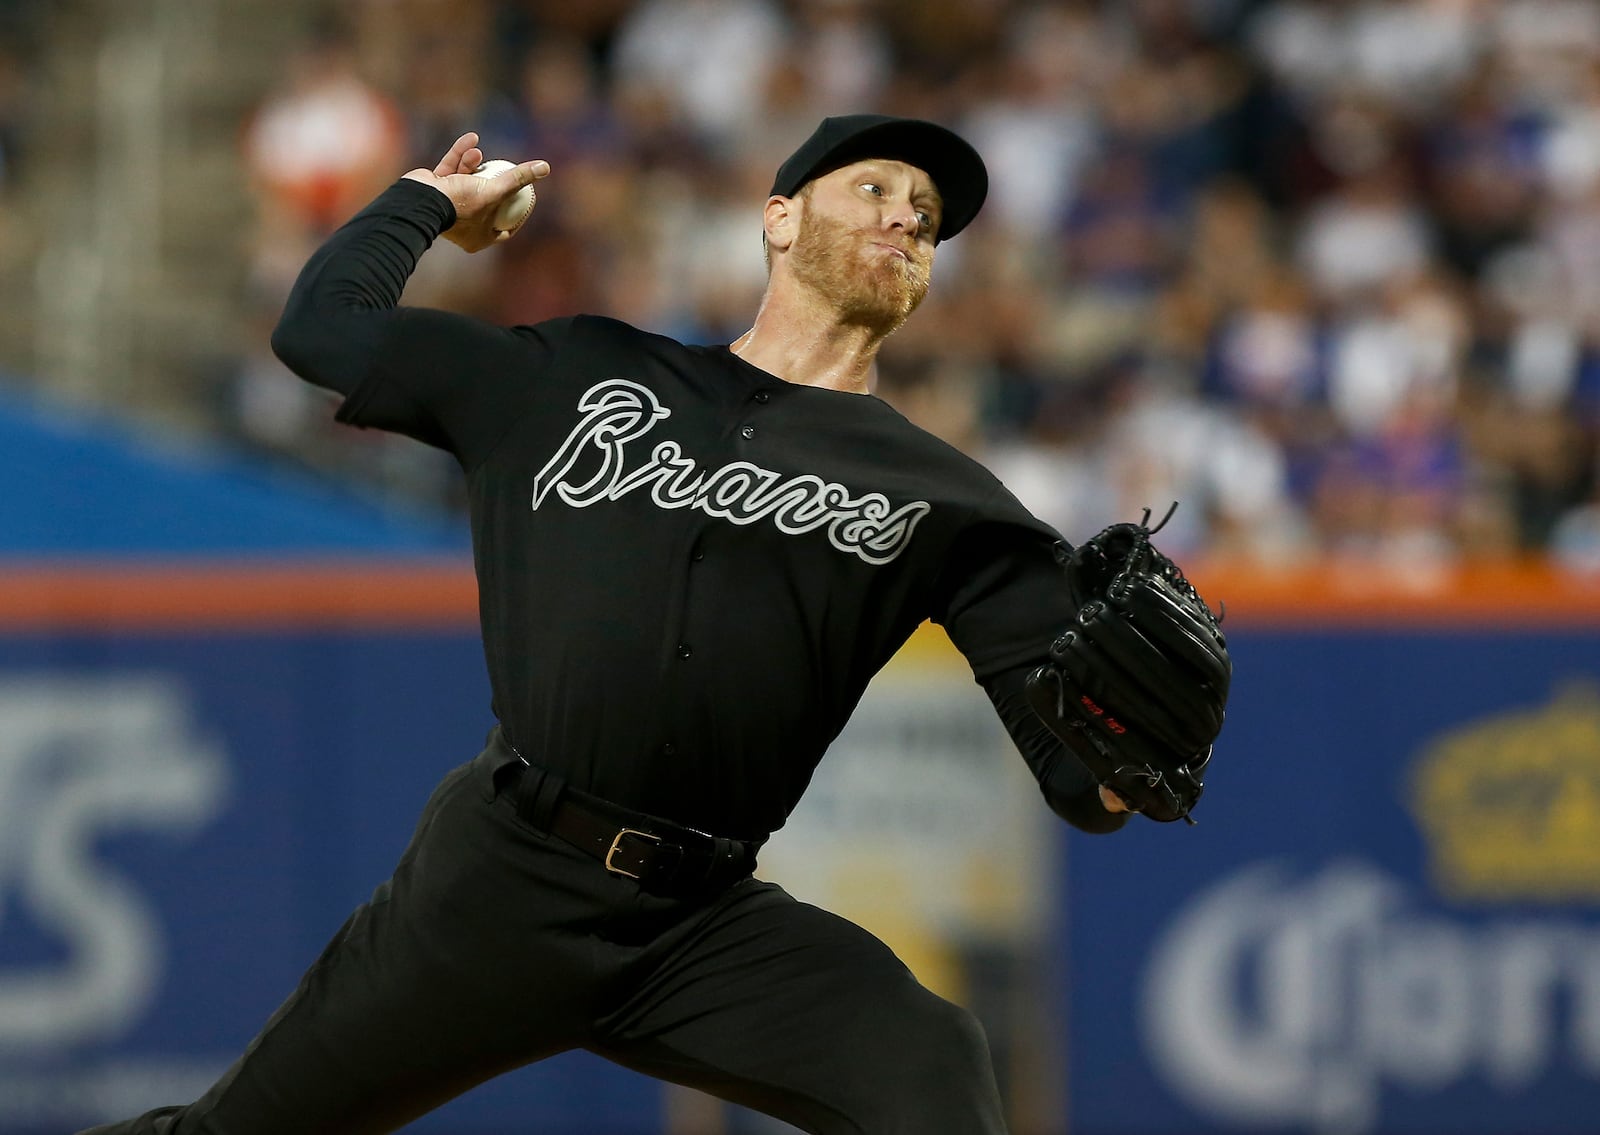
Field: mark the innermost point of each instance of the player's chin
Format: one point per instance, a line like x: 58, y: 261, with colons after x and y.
x: 907, y: 295
x: 882, y: 296
x: 884, y: 311
x: 901, y: 284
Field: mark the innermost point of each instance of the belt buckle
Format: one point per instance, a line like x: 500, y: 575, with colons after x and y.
x: 616, y: 846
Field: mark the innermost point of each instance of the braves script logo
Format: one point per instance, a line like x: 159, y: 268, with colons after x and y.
x: 617, y: 412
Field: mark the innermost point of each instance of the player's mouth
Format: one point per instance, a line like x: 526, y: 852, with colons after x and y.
x: 898, y: 251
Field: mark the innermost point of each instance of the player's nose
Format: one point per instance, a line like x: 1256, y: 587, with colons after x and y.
x: 901, y: 216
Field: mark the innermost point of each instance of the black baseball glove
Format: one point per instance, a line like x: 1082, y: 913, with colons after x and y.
x: 1136, y: 687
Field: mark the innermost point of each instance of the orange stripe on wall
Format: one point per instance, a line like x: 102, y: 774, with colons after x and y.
x: 1520, y: 594
x: 443, y: 593
x: 249, y: 596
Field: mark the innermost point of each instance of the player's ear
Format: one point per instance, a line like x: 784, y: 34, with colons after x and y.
x: 781, y: 219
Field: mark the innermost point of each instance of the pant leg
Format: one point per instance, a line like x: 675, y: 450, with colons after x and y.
x: 448, y: 976
x: 790, y: 1010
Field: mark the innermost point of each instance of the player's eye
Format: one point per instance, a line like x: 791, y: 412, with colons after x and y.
x: 924, y: 221
x: 872, y: 188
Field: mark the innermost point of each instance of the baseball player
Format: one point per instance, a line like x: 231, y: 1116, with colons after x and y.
x: 691, y: 561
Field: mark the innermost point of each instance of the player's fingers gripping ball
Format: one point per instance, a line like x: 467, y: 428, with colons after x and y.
x: 514, y: 210
x: 1136, y: 688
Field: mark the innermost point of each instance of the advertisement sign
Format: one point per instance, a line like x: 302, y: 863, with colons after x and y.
x: 185, y: 819
x: 1388, y: 916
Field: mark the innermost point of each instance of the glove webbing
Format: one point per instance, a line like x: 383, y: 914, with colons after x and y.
x: 1142, y: 551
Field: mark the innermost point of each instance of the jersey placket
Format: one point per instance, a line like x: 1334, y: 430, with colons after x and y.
x: 736, y: 447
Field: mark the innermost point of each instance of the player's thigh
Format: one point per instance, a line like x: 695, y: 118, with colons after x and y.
x: 794, y: 1011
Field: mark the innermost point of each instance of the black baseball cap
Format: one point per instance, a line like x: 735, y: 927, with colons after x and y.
x: 957, y: 170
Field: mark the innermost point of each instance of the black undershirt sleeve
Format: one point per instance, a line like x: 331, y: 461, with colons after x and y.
x: 443, y: 378
x: 1067, y: 786
x: 344, y: 302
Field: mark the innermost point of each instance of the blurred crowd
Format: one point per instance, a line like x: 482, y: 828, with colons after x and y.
x: 1325, y: 271
x: 18, y: 41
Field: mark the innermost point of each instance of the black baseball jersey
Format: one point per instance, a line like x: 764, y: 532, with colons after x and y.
x: 689, y: 569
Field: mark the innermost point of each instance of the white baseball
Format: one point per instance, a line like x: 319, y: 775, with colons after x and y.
x: 514, y: 209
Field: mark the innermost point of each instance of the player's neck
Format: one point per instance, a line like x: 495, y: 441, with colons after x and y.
x: 810, y: 347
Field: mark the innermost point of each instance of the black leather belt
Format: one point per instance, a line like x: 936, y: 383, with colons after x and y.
x: 664, y: 858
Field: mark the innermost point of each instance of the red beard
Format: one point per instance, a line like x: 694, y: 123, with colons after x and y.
x: 869, y: 286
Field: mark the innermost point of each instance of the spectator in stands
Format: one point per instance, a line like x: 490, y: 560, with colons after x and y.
x: 1379, y: 339
x: 324, y: 142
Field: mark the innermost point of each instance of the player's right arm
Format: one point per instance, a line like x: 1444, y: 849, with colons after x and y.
x: 440, y: 377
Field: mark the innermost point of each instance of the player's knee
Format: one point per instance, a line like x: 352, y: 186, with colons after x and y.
x: 960, y: 1046
x: 942, y: 1077
x: 157, y: 1122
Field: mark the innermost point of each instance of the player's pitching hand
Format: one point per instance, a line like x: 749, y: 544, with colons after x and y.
x: 476, y: 198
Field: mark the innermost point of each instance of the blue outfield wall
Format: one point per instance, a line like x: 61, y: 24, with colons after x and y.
x: 1386, y: 919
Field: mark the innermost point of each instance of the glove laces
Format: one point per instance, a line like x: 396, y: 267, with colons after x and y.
x: 1173, y: 574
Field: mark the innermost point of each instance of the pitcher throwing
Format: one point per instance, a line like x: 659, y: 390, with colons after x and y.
x: 691, y: 561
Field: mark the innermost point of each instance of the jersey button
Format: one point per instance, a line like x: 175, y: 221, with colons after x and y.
x: 747, y: 432
x: 683, y: 650
x: 763, y: 396
x: 669, y: 750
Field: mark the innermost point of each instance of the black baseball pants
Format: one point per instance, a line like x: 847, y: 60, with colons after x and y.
x: 495, y: 945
